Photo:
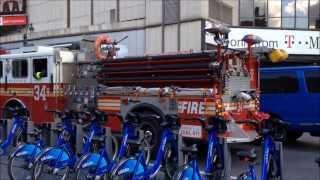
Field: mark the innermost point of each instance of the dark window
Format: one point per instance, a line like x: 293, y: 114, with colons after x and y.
x: 40, y: 65
x: 1, y: 69
x: 313, y: 81
x: 314, y: 13
x: 19, y: 68
x: 171, y: 11
x: 279, y: 83
x: 260, y: 13
x: 246, y: 13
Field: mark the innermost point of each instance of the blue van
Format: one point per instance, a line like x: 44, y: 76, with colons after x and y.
x: 292, y: 94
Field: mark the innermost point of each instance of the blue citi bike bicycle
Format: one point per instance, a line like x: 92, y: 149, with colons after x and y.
x: 271, y: 167
x: 97, y: 164
x: 19, y: 117
x: 139, y: 167
x: 21, y: 159
x: 60, y: 159
x: 215, y: 166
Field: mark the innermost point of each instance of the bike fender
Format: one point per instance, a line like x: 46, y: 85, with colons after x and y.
x: 26, y: 150
x: 92, y: 160
x: 55, y: 154
x: 129, y: 166
x: 188, y: 173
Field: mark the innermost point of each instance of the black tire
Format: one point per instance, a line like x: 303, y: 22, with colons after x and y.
x: 125, y: 176
x: 153, y: 126
x: 171, y: 163
x: 39, y: 168
x: 272, y: 169
x: 17, y: 168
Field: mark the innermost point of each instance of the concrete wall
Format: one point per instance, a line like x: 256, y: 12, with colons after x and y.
x: 190, y: 36
x: 194, y: 9
x: 49, y: 18
x: 47, y: 14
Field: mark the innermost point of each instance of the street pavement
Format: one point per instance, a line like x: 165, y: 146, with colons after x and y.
x: 299, y: 160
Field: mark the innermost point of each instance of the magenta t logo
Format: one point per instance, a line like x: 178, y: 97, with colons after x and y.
x: 289, y: 40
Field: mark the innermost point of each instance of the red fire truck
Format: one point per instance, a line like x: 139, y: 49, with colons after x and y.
x: 221, y: 82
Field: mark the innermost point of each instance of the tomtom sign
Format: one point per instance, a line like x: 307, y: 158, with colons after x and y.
x: 293, y: 41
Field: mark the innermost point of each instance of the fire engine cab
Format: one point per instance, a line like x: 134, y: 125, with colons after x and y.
x: 34, y: 78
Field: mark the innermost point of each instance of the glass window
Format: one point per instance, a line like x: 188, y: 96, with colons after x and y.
x: 246, y: 7
x: 279, y: 83
x: 302, y: 23
x: 246, y: 21
x: 260, y: 13
x: 314, y: 8
x: 40, y: 68
x: 274, y: 22
x: 288, y: 22
x: 260, y: 8
x: 274, y: 8
x: 313, y: 81
x: 302, y: 8
x: 19, y: 68
x: 171, y: 11
x: 288, y: 8
x: 246, y: 13
x: 314, y: 12
x: 1, y: 69
x: 314, y: 23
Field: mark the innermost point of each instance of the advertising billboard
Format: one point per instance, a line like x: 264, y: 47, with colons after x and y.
x: 302, y: 42
x: 12, y: 7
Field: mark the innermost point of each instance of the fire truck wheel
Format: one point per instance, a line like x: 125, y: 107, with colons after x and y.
x: 153, y: 126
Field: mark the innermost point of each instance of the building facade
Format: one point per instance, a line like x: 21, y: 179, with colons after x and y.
x: 293, y: 25
x: 153, y: 26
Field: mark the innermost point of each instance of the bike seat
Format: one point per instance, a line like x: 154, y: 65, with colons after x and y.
x: 248, y: 156
x: 98, y: 138
x: 35, y: 132
x: 190, y: 149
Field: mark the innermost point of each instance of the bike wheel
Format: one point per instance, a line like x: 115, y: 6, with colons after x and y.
x: 115, y: 147
x: 19, y: 167
x: 85, y: 174
x: 124, y: 176
x: 42, y: 170
x: 171, y: 163
x: 273, y: 170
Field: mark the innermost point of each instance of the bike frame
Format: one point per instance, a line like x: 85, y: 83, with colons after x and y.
x: 60, y: 155
x: 18, y: 123
x: 213, y: 148
x: 269, y: 150
x: 101, y: 160
x: 30, y: 150
x: 151, y: 170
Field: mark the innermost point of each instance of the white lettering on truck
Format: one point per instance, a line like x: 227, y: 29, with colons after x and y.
x: 191, y: 107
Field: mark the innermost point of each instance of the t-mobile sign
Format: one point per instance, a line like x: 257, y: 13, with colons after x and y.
x: 293, y: 41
